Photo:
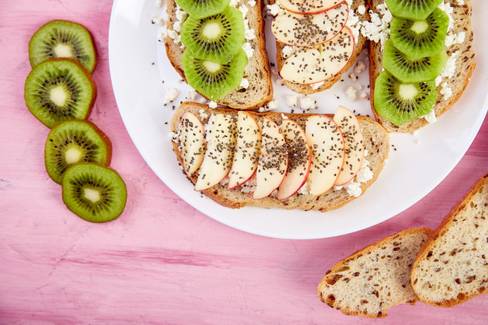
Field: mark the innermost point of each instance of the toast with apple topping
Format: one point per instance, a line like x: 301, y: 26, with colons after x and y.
x: 258, y: 89
x: 316, y: 41
x: 290, y: 161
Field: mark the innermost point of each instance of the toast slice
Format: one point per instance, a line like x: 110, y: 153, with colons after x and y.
x: 464, y: 66
x: 453, y: 266
x: 310, y: 89
x: 258, y: 73
x: 376, y: 278
x: 376, y: 141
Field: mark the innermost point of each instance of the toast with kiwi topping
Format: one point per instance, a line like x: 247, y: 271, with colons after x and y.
x: 257, y: 72
x: 374, y: 137
x: 453, y: 266
x: 350, y: 26
x: 458, y: 68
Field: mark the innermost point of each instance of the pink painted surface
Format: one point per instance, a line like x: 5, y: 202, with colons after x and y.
x: 162, y: 261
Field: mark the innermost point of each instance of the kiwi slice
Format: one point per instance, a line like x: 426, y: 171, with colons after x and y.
x: 216, y: 38
x: 420, y: 38
x: 59, y: 90
x: 202, y: 8
x: 62, y: 39
x: 72, y: 142
x: 400, y: 102
x: 407, y: 70
x: 211, y: 79
x: 93, y: 192
x: 412, y: 9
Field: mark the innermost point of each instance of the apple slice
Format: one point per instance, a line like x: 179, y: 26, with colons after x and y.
x: 327, y: 145
x: 308, y: 6
x: 353, y: 143
x: 273, y: 159
x: 312, y: 65
x: 191, y: 142
x: 309, y: 30
x: 246, y: 152
x: 220, y: 137
x: 299, y: 159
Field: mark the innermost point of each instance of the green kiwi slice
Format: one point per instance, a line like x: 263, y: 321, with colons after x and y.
x: 58, y: 90
x: 216, y: 38
x: 202, y: 8
x: 408, y: 70
x: 211, y: 79
x: 420, y: 38
x: 62, y: 39
x: 93, y: 192
x: 400, y: 102
x: 72, y: 142
x: 412, y: 9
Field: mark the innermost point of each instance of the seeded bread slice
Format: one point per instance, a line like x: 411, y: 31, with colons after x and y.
x: 376, y: 142
x: 309, y: 89
x: 453, y: 266
x: 375, y: 278
x: 465, y: 66
x: 258, y: 73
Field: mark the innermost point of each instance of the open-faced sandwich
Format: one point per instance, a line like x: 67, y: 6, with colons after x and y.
x: 422, y: 63
x: 316, y: 40
x: 291, y: 161
x: 218, y: 47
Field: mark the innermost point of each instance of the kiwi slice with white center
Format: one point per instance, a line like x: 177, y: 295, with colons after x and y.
x: 412, y: 9
x: 202, y: 8
x: 420, y: 38
x: 93, y: 192
x: 62, y: 39
x: 400, y: 102
x: 408, y: 70
x: 216, y: 38
x: 58, y: 90
x: 212, y: 79
x: 72, y: 142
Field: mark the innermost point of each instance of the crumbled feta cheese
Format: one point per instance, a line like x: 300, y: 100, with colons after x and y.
x: 353, y: 189
x: 438, y: 80
x: 203, y: 114
x: 460, y: 2
x: 431, y: 118
x: 273, y: 9
x: 170, y: 95
x: 361, y: 9
x: 377, y: 29
x: 360, y: 67
x: 243, y: 9
x: 450, y: 68
x: 364, y: 174
x: 191, y: 95
x: 212, y: 104
x: 317, y: 85
x: 291, y: 100
x: 272, y: 105
x: 453, y: 39
x: 351, y: 93
x: 287, y: 50
x: 244, y: 83
x: 247, y: 47
x: 354, y: 24
x: 249, y: 33
x: 252, y: 3
x: 157, y: 20
x: 446, y: 7
x: 234, y: 3
x: 263, y: 109
x: 307, y: 103
x: 446, y: 91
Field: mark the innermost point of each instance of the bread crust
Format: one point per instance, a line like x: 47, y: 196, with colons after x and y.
x: 326, y: 202
x: 464, y: 71
x: 370, y: 248
x: 446, y: 223
x: 174, y: 52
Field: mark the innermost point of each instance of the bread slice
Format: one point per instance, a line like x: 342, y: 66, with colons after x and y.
x: 309, y: 89
x: 375, y: 278
x: 453, y: 266
x: 376, y: 142
x: 465, y: 65
x: 258, y: 72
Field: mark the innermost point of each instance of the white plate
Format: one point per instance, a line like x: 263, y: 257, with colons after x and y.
x: 138, y: 65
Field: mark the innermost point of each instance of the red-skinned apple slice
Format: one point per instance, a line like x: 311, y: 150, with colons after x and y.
x: 273, y: 159
x: 327, y: 145
x: 353, y: 143
x: 220, y: 137
x: 191, y: 142
x: 246, y: 152
x: 312, y: 65
x: 309, y: 30
x: 308, y: 6
x: 299, y: 159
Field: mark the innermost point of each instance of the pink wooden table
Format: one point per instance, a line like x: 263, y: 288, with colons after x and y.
x: 162, y: 261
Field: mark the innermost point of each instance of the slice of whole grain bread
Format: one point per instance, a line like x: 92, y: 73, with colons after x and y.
x: 376, y: 142
x: 453, y: 266
x: 258, y: 73
x: 376, y: 278
x: 465, y: 66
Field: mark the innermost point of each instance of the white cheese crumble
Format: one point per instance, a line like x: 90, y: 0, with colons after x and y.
x: 307, y: 103
x: 212, y: 104
x: 273, y: 9
x: 353, y: 189
x: 453, y: 39
x: 446, y: 7
x: 361, y: 9
x: 191, y: 95
x: 378, y: 28
x: 431, y: 118
x: 365, y: 174
x: 446, y: 91
x: 351, y: 93
x: 272, y: 105
x: 291, y: 100
x: 287, y: 50
x: 202, y: 114
x: 170, y: 95
x: 360, y: 67
x: 248, y: 49
x: 244, y: 83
